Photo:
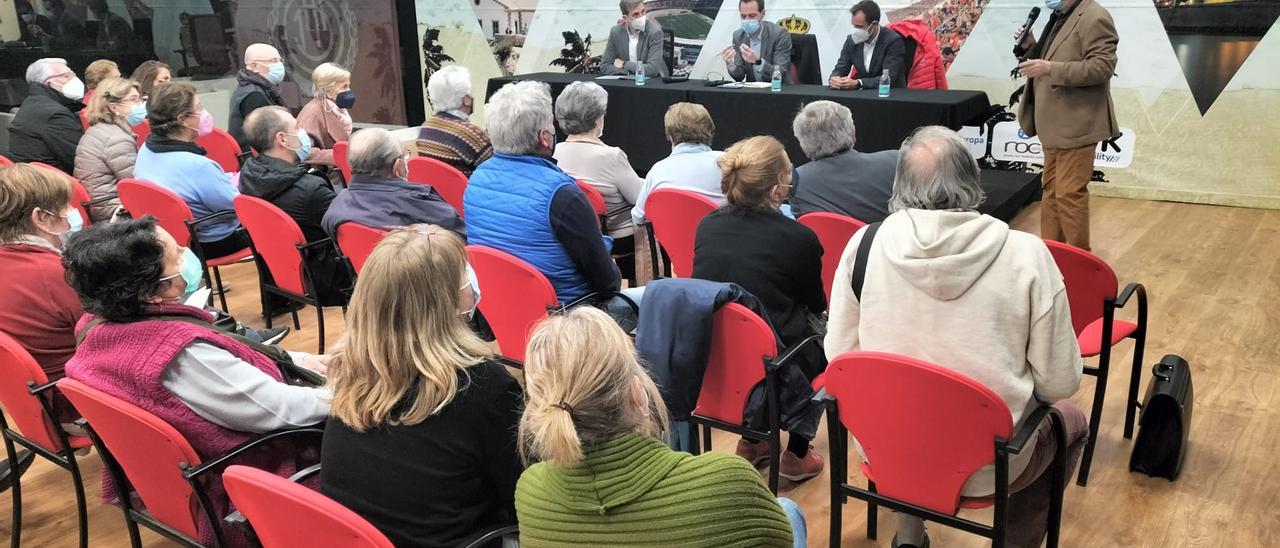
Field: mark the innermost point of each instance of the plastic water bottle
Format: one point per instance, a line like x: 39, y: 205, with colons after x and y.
x: 884, y: 83
x: 776, y: 83
x: 640, y: 77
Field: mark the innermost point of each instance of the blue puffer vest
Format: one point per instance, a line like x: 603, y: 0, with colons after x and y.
x: 507, y: 205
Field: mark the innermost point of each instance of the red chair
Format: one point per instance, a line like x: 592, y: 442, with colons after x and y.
x: 142, y: 131
x: 1091, y: 292
x: 282, y: 250
x: 146, y: 198
x: 743, y: 354
x: 5, y: 161
x: 340, y: 158
x: 673, y: 220
x: 596, y: 199
x: 921, y: 449
x: 147, y: 455
x: 285, y: 514
x: 834, y: 231
x: 79, y: 196
x: 27, y: 397
x: 357, y: 241
x: 222, y: 148
x: 446, y: 179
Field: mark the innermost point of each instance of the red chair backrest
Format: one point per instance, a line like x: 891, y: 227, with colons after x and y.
x: 357, y: 242
x: 675, y: 215
x: 142, y: 131
x: 17, y: 370
x: 447, y: 180
x: 147, y: 198
x: 5, y: 161
x: 516, y: 296
x: 834, y: 232
x: 925, y: 429
x: 595, y: 198
x: 79, y: 195
x: 1089, y: 281
x: 222, y: 148
x: 148, y: 449
x: 284, y: 514
x: 276, y: 237
x: 740, y: 342
x: 340, y: 158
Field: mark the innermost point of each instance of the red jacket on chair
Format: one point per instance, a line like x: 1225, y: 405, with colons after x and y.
x: 927, y: 70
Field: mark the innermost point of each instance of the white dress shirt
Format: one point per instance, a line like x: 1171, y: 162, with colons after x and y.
x: 868, y: 51
x: 633, y: 40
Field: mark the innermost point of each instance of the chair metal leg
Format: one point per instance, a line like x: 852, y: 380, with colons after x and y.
x: 296, y: 324
x: 872, y: 512
x: 839, y: 475
x: 1095, y: 418
x: 222, y: 292
x: 81, y: 508
x: 694, y: 447
x: 1135, y: 380
x: 1059, y: 482
x: 706, y: 437
x: 16, y: 485
x: 319, y: 325
x: 775, y: 459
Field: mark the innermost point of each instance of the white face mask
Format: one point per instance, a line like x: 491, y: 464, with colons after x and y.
x: 860, y: 36
x: 73, y: 89
x: 638, y: 23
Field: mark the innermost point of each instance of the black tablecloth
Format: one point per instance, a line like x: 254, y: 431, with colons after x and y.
x: 634, y: 118
x: 1008, y: 192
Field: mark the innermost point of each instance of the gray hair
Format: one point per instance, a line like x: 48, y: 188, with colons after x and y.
x: 262, y: 125
x: 515, y: 116
x: 824, y: 128
x: 448, y: 86
x: 373, y: 152
x: 579, y: 106
x: 627, y: 5
x: 936, y: 171
x: 42, y: 69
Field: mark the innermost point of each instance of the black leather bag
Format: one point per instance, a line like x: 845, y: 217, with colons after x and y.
x: 1165, y: 422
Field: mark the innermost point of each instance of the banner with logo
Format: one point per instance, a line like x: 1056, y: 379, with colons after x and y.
x: 1010, y: 144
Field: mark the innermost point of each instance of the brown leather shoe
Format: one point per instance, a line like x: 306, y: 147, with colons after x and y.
x: 756, y: 453
x: 799, y: 469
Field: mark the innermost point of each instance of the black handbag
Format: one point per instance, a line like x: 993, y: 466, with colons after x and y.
x: 1165, y: 421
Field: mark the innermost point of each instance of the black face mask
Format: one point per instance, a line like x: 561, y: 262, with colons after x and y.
x: 346, y: 99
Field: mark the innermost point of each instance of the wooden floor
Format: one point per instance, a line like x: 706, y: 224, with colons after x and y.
x: 1213, y: 274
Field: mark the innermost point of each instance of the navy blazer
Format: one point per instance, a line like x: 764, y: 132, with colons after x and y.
x: 890, y: 53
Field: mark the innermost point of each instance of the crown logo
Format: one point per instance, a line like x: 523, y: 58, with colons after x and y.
x: 795, y: 25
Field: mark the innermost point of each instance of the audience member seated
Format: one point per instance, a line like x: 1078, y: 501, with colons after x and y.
x: 37, y: 307
x: 870, y: 51
x: 996, y: 306
x: 839, y: 179
x: 580, y: 110
x: 150, y: 74
x: 171, y: 158
x: 750, y: 243
x: 448, y: 135
x: 33, y: 27
x: 47, y: 126
x: 692, y: 164
x: 66, y: 30
x: 593, y: 423
x: 114, y: 32
x: 325, y: 116
x: 277, y: 175
x: 635, y: 43
x: 520, y: 202
x: 259, y: 86
x: 422, y: 442
x: 142, y: 346
x: 379, y: 196
x: 109, y: 150
x: 96, y: 73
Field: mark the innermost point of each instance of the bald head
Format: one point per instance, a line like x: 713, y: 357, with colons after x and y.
x: 260, y: 57
x: 374, y: 152
x: 936, y: 171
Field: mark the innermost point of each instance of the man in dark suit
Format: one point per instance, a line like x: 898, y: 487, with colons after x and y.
x: 758, y: 47
x: 635, y: 44
x: 869, y: 51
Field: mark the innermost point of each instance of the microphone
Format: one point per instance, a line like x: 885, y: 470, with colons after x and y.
x: 1018, y: 50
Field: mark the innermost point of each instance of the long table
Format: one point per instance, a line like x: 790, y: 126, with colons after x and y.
x: 633, y: 121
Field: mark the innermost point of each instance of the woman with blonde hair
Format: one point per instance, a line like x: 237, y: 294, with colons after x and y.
x: 750, y: 243
x: 594, y: 419
x: 326, y: 117
x: 108, y: 150
x: 422, y: 437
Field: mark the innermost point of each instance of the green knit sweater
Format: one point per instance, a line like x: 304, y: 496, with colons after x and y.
x: 634, y: 491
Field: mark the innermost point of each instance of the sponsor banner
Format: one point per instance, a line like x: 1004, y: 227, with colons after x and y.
x: 1010, y: 144
x: 975, y: 137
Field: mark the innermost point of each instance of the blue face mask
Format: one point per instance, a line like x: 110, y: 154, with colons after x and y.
x: 138, y: 114
x: 304, y: 145
x: 1053, y: 4
x: 192, y: 273
x: 750, y: 26
x: 75, y: 223
x: 275, y: 72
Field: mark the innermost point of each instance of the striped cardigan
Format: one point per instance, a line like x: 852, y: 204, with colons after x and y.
x: 454, y: 141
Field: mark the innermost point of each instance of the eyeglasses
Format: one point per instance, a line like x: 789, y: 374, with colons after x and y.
x: 270, y: 61
x: 182, y: 251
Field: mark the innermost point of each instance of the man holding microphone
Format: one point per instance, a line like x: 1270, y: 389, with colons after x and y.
x: 1067, y: 102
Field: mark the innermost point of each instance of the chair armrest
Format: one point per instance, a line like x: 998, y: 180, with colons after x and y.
x: 493, y: 535
x: 193, y: 222
x: 311, y: 246
x: 104, y: 199
x: 791, y: 353
x: 225, y: 458
x: 509, y: 362
x: 35, y: 390
x: 305, y: 474
x: 1030, y: 424
x: 600, y: 295
x: 1128, y: 291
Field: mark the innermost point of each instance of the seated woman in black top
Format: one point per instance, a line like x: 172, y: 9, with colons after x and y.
x: 422, y: 440
x: 750, y: 243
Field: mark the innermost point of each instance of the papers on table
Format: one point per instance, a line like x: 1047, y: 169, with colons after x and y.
x: 746, y: 85
x: 616, y: 77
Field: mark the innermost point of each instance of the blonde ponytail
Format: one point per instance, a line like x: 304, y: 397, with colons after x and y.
x: 750, y: 170
x: 580, y: 371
